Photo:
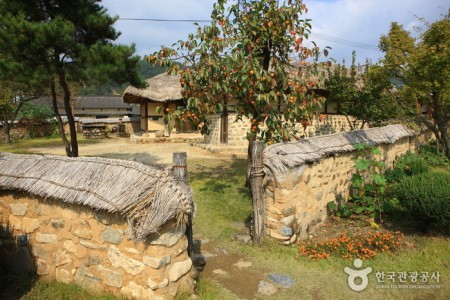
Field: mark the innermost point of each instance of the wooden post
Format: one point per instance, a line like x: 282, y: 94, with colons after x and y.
x: 179, y: 161
x: 256, y: 185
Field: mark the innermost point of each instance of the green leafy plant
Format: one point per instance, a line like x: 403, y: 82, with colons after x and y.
x: 427, y: 197
x: 367, y: 183
x: 407, y: 165
x: 432, y: 157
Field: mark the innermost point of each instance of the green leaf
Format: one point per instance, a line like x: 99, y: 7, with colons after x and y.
x: 362, y: 164
x: 357, y: 181
x: 379, y: 179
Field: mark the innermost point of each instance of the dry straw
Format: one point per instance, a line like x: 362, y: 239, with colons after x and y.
x: 161, y: 88
x: 148, y: 197
x: 279, y: 158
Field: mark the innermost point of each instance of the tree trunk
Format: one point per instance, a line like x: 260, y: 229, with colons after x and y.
x: 441, y: 119
x: 256, y: 186
x: 6, y: 128
x: 73, y: 150
x: 58, y: 117
x: 6, y: 133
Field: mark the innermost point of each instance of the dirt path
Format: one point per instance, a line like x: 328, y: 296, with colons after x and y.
x: 152, y: 153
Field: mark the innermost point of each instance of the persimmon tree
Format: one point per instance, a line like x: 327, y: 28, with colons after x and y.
x: 251, y: 59
x: 423, y: 66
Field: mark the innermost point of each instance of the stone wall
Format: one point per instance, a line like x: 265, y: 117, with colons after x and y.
x: 21, y: 131
x: 94, y: 249
x: 237, y: 131
x: 298, y: 203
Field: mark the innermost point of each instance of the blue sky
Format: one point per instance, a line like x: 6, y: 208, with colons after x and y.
x: 335, y: 23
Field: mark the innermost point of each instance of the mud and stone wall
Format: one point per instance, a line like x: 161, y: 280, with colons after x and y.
x: 298, y: 203
x: 94, y: 249
x: 237, y: 131
x: 25, y: 131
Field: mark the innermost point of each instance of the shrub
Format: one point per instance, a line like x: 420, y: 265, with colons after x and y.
x: 426, y: 196
x: 407, y: 165
x: 432, y: 157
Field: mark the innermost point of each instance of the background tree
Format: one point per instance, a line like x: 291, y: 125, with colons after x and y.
x: 243, y: 61
x: 363, y: 92
x: 64, y: 42
x: 424, y: 68
x: 12, y: 99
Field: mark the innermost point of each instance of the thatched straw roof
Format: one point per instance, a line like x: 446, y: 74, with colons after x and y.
x: 279, y: 158
x: 161, y: 88
x: 148, y: 197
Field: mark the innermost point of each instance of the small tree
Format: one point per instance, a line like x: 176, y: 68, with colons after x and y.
x: 243, y: 61
x: 364, y: 95
x: 11, y: 102
x: 64, y: 42
x: 423, y: 66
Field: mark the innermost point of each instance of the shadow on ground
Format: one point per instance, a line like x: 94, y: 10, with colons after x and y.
x: 17, y: 265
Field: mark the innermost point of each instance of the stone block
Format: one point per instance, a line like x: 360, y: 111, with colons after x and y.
x: 168, y: 239
x: 42, y: 267
x: 86, y: 279
x: 29, y: 225
x: 113, y: 236
x: 179, y: 269
x: 110, y: 277
x: 156, y: 262
x: 287, y: 220
x: 64, y: 275
x: 118, y: 259
x: 92, y: 246
x: 70, y: 246
x: 18, y: 209
x: 46, y: 238
x: 57, y: 223
x: 15, y: 222
x: 60, y: 258
x: 157, y: 285
x: 81, y: 229
x: 286, y: 231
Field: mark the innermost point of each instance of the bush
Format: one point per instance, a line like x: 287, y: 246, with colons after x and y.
x: 432, y: 157
x: 426, y: 196
x: 407, y: 165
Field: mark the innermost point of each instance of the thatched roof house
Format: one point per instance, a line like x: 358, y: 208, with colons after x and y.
x: 148, y: 197
x: 279, y: 158
x: 162, y: 90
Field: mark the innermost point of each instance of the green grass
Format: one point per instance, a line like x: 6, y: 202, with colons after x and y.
x: 25, y: 146
x: 223, y: 203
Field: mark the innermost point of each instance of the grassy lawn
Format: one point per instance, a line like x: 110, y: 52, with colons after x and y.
x: 24, y: 146
x: 223, y: 205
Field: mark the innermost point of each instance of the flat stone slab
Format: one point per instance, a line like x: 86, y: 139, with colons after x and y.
x: 243, y: 264
x: 281, y: 280
x: 266, y: 288
x: 220, y: 272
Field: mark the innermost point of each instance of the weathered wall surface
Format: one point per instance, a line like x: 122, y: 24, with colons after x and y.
x: 20, y: 131
x: 297, y: 204
x: 237, y: 131
x: 74, y: 243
